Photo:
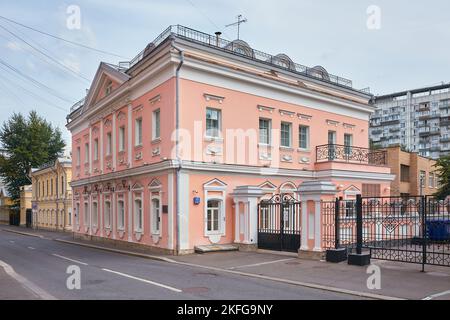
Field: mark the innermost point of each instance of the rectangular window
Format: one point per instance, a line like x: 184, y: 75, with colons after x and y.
x: 404, y: 173
x: 422, y: 179
x: 264, y: 131
x: 87, y: 221
x: 213, y: 119
x: 348, y: 143
x: 77, y: 214
x: 108, y: 144
x: 156, y: 125
x: 285, y: 134
x: 138, y: 132
x: 156, y: 216
x: 371, y: 190
x: 431, y: 180
x: 121, y: 139
x: 78, y: 156
x: 107, y: 214
x: 212, y: 216
x: 303, y: 137
x: 120, y: 214
x: 86, y: 153
x: 138, y: 214
x: 94, y: 213
x: 95, y: 149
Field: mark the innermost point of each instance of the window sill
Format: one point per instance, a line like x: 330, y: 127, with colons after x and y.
x: 263, y: 145
x: 304, y: 150
x: 121, y: 152
x: 214, y: 139
x: 286, y: 148
x: 138, y: 147
x: 121, y: 229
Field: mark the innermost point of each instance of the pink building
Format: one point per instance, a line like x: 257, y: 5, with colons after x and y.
x: 175, y: 149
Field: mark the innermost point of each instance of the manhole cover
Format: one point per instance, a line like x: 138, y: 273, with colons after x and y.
x: 195, y: 290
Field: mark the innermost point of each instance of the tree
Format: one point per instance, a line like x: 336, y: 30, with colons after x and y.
x: 28, y: 143
x: 443, y: 170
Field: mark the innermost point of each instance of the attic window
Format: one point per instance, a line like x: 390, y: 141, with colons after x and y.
x: 108, y: 88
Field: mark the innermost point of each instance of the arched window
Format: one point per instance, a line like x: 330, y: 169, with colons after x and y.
x: 86, y: 219
x: 95, y: 214
x: 138, y: 215
x: 156, y: 216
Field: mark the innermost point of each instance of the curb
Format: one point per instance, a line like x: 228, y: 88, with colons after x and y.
x: 24, y: 233
x: 297, y: 283
x: 130, y: 253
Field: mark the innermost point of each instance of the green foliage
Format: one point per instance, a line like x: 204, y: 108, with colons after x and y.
x: 29, y: 143
x: 443, y: 170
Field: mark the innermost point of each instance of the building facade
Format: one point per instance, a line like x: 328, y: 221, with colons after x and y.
x: 175, y: 149
x: 52, y: 196
x: 5, y: 204
x: 414, y: 175
x: 26, y: 194
x: 417, y: 119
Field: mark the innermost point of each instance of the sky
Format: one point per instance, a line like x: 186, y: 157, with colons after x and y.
x: 385, y: 45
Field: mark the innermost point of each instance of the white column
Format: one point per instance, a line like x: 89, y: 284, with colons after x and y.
x: 113, y: 214
x: 170, y: 202
x: 100, y: 213
x: 304, y: 230
x: 130, y: 135
x: 237, y: 233
x: 317, y: 226
x: 101, y: 151
x: 90, y: 212
x: 247, y: 223
x: 130, y: 214
x: 253, y: 220
x: 114, y: 155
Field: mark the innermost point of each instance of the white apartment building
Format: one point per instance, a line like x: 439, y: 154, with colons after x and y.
x: 418, y: 120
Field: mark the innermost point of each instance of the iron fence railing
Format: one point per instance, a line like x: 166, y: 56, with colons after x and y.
x: 351, y: 154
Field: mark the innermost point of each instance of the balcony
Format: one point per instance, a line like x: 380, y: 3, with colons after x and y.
x: 350, y: 154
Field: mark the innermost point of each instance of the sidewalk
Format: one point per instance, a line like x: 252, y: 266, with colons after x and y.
x: 398, y: 280
x: 12, y: 289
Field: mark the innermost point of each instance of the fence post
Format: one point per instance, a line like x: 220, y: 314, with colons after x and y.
x: 359, y: 224
x: 336, y: 224
x: 359, y: 259
x: 423, y: 212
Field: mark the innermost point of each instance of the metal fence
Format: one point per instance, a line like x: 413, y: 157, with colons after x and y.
x: 414, y: 229
x: 351, y: 154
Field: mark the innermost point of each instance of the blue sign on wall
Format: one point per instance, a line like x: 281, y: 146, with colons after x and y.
x: 196, y: 200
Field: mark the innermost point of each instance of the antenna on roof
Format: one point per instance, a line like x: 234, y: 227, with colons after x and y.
x: 240, y: 20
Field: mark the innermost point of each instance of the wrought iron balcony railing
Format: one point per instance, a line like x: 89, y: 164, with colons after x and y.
x: 350, y: 154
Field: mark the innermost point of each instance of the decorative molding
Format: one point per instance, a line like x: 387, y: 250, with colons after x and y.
x: 348, y: 126
x: 304, y: 160
x: 156, y: 151
x: 332, y: 122
x: 138, y: 108
x: 264, y: 108
x: 121, y: 116
x: 155, y: 99
x: 287, y: 113
x: 214, y: 150
x: 107, y: 123
x: 286, y: 158
x: 265, y: 156
x: 304, y: 117
x: 138, y: 156
x: 209, y: 97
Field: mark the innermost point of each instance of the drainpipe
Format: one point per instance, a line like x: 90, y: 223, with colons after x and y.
x: 177, y: 135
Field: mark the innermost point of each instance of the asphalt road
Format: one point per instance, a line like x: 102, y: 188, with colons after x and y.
x: 107, y: 275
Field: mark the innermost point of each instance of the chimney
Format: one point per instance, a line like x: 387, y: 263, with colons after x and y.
x: 218, y: 34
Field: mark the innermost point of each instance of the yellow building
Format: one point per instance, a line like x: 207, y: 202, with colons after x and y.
x: 5, y: 204
x: 25, y: 203
x: 52, y: 196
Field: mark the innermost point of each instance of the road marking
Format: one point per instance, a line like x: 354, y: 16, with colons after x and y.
x: 73, y: 260
x: 261, y: 263
x: 31, y: 248
x: 142, y: 280
x: 41, y: 293
x: 437, y: 295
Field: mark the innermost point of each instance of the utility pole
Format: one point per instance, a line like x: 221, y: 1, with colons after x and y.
x: 240, y: 20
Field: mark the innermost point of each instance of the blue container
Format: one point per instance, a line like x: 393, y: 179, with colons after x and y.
x: 438, y: 230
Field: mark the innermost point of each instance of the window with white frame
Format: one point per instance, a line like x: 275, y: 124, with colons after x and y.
x: 120, y: 214
x: 138, y: 132
x: 86, y: 152
x: 264, y: 131
x: 156, y: 215
x: 121, y: 139
x: 303, y: 137
x: 86, y: 215
x: 95, y: 213
x: 348, y: 142
x: 213, y: 214
x: 77, y: 213
x: 107, y: 213
x: 138, y: 215
x: 431, y: 180
x: 213, y: 119
x: 78, y: 156
x: 285, y: 134
x: 156, y: 124
x: 108, y: 144
x: 95, y: 149
x: 108, y: 88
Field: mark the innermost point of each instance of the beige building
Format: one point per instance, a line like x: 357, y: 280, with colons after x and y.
x: 52, y: 196
x: 26, y: 194
x: 414, y: 174
x: 5, y: 204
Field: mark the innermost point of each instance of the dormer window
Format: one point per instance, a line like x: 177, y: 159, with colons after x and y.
x: 108, y: 88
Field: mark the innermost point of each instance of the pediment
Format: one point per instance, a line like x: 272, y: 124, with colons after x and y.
x: 267, y: 185
x: 215, y: 184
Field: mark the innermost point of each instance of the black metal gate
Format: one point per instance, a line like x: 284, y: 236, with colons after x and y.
x: 407, y: 229
x: 279, y: 223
